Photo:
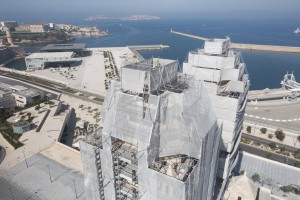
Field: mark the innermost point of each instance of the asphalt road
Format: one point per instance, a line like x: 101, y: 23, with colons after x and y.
x: 282, y: 115
x: 267, y: 142
x: 16, y: 82
x: 265, y: 154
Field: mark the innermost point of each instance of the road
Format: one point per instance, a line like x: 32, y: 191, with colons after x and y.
x: 265, y: 154
x: 277, y: 115
x: 54, y: 86
x: 16, y: 82
x: 267, y: 142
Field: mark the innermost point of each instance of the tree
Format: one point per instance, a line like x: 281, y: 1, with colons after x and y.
x: 279, y: 134
x: 263, y: 130
x: 286, y: 189
x: 242, y: 172
x: 255, y: 178
x: 37, y: 107
x: 270, y: 136
x: 272, y: 145
x: 248, y: 129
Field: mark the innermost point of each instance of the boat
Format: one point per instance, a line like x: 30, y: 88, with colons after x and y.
x: 297, y: 30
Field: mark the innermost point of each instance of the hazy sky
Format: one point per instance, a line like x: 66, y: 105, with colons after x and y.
x: 162, y: 8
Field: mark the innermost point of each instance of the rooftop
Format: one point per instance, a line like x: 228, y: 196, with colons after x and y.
x: 5, y: 87
x: 41, y: 177
x: 20, y: 123
x: 28, y: 93
x: 51, y: 55
x: 64, y: 47
x: 18, y: 88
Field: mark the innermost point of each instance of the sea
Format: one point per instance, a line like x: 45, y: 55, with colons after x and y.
x: 266, y: 69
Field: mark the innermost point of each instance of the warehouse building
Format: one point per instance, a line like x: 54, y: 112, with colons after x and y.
x: 79, y: 49
x: 38, y: 61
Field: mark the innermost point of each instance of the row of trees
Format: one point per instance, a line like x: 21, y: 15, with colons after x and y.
x: 280, y: 135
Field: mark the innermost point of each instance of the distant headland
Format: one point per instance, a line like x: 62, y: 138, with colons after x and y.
x: 133, y: 17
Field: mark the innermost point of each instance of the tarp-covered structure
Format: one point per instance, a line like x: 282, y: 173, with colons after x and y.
x: 226, y: 79
x: 155, y: 144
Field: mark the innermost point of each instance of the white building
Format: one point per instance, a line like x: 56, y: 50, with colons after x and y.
x: 160, y: 138
x: 7, y: 101
x: 39, y: 28
x: 27, y: 97
x: 226, y: 80
x: 37, y: 61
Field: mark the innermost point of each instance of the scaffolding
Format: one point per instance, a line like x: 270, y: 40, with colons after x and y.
x: 160, y: 137
x: 227, y: 82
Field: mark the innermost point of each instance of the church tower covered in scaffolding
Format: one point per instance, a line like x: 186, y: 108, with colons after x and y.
x: 160, y: 138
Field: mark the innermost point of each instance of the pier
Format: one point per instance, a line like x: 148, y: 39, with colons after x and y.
x: 257, y: 47
x: 137, y: 48
x: 148, y: 47
x: 288, y: 49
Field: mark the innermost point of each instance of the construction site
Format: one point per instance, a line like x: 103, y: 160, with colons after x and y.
x: 160, y: 137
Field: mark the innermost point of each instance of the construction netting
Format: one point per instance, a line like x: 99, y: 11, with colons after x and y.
x: 164, y: 146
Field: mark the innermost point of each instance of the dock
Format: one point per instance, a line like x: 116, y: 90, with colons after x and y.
x: 190, y: 36
x: 288, y: 49
x: 137, y: 48
x: 257, y: 47
x: 148, y: 47
x: 268, y: 94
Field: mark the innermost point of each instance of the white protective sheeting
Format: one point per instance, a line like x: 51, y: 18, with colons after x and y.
x: 216, y: 46
x: 169, y: 124
x: 132, y: 79
x: 230, y: 74
x: 225, y: 108
x: 88, y: 158
x: 232, y: 86
x: 214, y: 62
x: 203, y: 73
x: 152, y: 73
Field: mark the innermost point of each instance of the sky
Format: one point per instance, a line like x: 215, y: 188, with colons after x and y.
x: 276, y: 9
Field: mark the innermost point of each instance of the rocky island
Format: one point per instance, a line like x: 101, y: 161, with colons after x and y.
x: 140, y: 17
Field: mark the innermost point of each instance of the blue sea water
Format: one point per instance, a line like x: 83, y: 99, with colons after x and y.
x: 266, y: 69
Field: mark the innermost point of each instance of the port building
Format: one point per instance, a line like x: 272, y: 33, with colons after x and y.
x: 226, y: 79
x: 78, y: 48
x: 160, y: 137
x: 37, y: 61
x: 39, y: 27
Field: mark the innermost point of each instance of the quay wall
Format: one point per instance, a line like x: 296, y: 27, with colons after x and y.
x: 265, y: 47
